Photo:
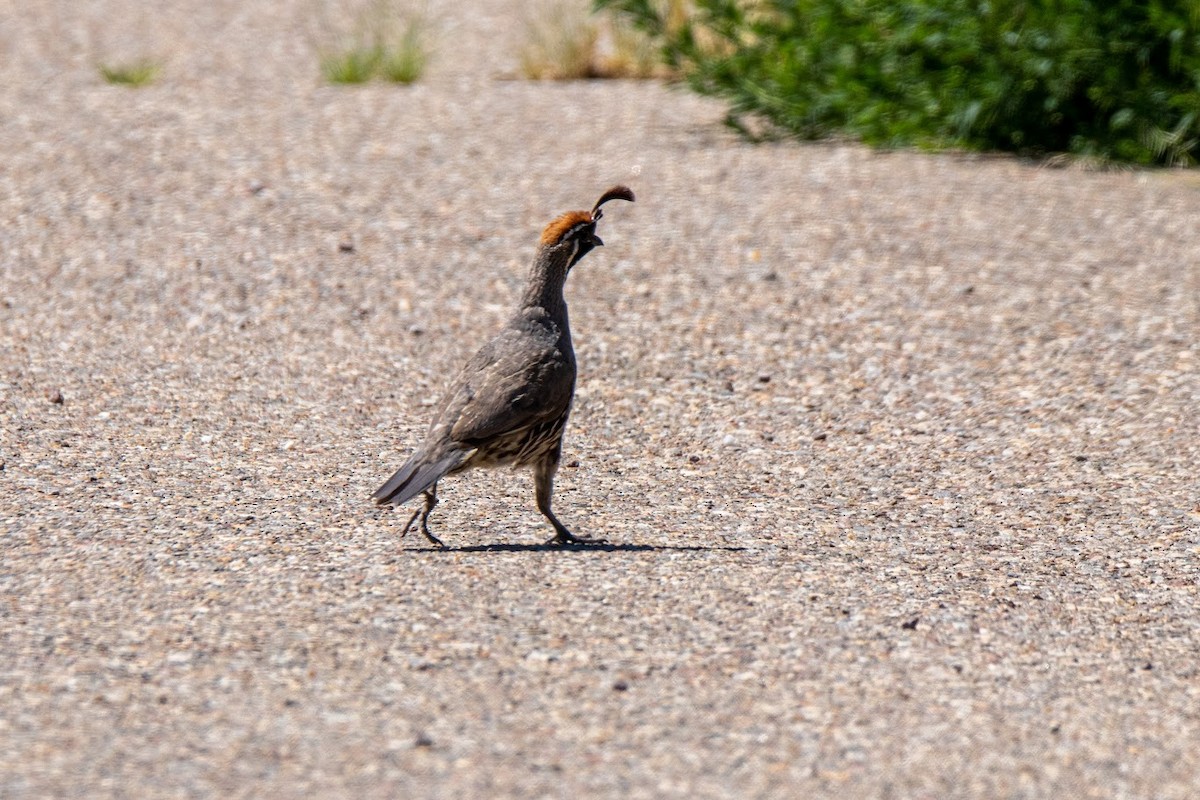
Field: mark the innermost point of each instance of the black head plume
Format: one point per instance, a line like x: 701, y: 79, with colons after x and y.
x: 615, y: 193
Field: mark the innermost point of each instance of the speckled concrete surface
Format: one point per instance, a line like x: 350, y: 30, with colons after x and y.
x: 897, y: 452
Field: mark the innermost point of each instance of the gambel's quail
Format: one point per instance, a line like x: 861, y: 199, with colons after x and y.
x: 509, y: 404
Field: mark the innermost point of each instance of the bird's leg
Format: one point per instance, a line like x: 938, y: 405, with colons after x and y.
x: 543, y: 477
x: 407, y: 525
x: 431, y: 500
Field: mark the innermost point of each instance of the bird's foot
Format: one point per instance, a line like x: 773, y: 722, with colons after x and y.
x: 432, y: 538
x: 565, y: 537
x: 408, y: 526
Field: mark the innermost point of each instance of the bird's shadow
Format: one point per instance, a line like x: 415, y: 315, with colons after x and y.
x: 547, y: 547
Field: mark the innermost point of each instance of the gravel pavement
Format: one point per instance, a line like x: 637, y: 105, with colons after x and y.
x: 897, y: 453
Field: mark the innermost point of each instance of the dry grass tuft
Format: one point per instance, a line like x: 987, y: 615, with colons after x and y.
x: 134, y: 74
x: 565, y: 41
x: 386, y: 39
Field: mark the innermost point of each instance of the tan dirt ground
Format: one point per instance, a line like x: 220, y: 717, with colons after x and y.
x: 897, y: 452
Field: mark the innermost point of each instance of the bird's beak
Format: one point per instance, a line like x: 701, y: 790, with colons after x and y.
x: 597, y: 241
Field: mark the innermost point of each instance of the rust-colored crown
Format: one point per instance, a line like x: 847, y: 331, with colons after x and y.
x: 555, y: 230
x: 563, y: 223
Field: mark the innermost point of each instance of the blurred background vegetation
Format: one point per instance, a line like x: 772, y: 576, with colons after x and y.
x: 361, y: 40
x: 1110, y: 80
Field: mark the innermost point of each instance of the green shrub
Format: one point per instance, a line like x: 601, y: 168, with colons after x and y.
x: 1110, y: 79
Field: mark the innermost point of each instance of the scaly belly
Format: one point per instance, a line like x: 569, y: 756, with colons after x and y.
x: 520, y: 448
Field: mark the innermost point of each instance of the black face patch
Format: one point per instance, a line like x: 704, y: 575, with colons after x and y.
x: 584, y: 235
x: 577, y: 230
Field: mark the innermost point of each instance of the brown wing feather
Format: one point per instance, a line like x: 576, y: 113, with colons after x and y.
x: 514, y: 382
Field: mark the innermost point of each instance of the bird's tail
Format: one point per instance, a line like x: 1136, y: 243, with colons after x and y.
x: 418, y: 474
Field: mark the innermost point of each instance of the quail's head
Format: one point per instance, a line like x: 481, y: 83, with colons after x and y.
x: 575, y: 231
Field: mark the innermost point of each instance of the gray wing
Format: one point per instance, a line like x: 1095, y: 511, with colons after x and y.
x: 515, y: 381
x: 418, y: 474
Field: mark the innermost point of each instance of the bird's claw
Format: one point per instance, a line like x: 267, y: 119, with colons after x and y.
x: 408, y: 526
x: 433, y: 538
x: 563, y: 538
